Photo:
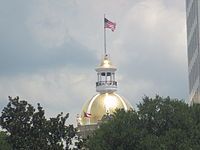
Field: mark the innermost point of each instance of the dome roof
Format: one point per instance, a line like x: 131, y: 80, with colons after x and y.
x: 101, y: 104
x: 106, y: 64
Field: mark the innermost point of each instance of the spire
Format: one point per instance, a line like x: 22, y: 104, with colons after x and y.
x: 106, y: 76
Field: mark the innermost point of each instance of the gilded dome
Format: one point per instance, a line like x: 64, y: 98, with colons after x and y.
x: 101, y: 104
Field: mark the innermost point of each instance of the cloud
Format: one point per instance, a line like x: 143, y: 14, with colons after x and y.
x: 48, y: 22
x: 29, y: 58
x: 57, y: 90
x: 37, y: 41
x: 48, y: 50
x: 151, y: 48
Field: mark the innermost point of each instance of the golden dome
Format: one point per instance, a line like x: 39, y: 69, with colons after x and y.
x: 101, y: 104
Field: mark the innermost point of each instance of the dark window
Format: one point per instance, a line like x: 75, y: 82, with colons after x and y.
x: 108, y: 74
x: 103, y: 74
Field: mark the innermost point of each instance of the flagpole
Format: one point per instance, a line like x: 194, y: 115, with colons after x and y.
x: 104, y: 36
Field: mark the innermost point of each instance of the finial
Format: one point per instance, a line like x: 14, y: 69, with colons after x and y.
x: 106, y: 56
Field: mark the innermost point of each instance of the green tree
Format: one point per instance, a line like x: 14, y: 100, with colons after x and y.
x: 29, y: 129
x: 158, y: 124
x: 118, y: 133
x: 4, y: 145
x: 167, y: 121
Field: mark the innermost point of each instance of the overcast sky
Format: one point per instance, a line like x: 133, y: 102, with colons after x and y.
x: 50, y: 48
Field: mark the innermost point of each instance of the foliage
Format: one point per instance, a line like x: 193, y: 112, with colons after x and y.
x: 4, y: 145
x: 29, y: 129
x: 159, y: 123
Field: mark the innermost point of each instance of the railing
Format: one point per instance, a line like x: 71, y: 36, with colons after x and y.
x: 106, y: 83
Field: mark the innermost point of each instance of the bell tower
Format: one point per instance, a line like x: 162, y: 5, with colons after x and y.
x: 106, y: 82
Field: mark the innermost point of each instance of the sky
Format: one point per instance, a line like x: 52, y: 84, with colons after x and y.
x: 50, y: 48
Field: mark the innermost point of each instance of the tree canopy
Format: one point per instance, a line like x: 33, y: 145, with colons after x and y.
x: 159, y: 123
x: 29, y: 129
x: 4, y: 145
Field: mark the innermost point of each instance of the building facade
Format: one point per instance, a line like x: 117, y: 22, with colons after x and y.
x: 193, y: 41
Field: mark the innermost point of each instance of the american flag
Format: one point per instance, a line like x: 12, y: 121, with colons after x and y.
x: 109, y: 24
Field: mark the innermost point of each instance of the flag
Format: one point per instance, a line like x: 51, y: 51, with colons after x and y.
x: 87, y: 115
x: 109, y: 24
